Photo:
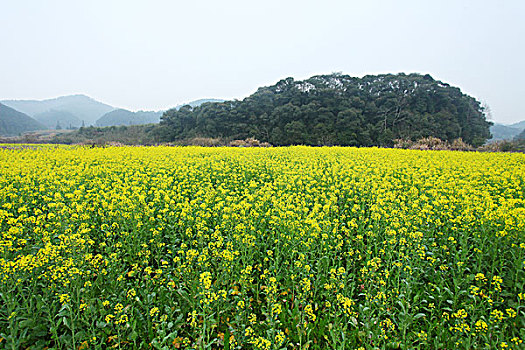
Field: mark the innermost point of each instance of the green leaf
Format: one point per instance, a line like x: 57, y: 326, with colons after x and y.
x: 227, y: 340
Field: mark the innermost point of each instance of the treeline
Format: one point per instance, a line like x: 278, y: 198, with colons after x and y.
x: 337, y: 110
x: 146, y: 134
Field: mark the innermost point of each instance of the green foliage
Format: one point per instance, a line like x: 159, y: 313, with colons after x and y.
x: 338, y: 110
x: 265, y: 249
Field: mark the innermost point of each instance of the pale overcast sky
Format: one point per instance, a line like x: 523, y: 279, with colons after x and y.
x: 156, y: 54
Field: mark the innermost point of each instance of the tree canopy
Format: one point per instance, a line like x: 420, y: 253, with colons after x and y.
x: 338, y: 109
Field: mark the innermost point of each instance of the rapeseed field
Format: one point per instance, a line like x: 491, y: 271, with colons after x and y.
x: 279, y: 248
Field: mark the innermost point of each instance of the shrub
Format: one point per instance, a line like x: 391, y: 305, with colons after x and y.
x: 433, y: 143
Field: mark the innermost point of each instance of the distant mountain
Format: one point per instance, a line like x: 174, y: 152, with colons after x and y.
x: 83, y: 107
x: 13, y: 122
x: 197, y: 103
x: 521, y: 135
x: 506, y: 132
x: 518, y: 125
x: 503, y: 132
x: 125, y: 117
x: 53, y: 118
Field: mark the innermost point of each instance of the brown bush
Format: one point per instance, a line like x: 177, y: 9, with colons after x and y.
x: 249, y: 142
x: 503, y: 146
x: 433, y: 143
x: 460, y: 145
x: 202, y: 141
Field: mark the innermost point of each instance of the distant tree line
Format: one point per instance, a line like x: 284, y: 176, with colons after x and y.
x: 337, y: 109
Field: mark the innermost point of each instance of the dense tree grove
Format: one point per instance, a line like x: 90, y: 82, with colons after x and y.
x: 338, y: 110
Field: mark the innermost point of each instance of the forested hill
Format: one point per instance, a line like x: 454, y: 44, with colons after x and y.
x: 13, y: 122
x: 125, y: 117
x: 521, y: 135
x: 338, y: 110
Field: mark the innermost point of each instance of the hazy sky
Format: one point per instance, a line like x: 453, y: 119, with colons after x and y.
x: 157, y: 54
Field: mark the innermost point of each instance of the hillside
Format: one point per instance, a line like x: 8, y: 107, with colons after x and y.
x: 518, y: 125
x: 199, y: 102
x: 506, y: 132
x: 125, y: 117
x: 503, y: 132
x: 338, y: 110
x: 520, y: 136
x: 83, y: 107
x: 13, y: 122
x: 53, y: 118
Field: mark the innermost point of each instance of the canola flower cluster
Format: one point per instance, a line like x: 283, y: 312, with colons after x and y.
x: 280, y: 248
